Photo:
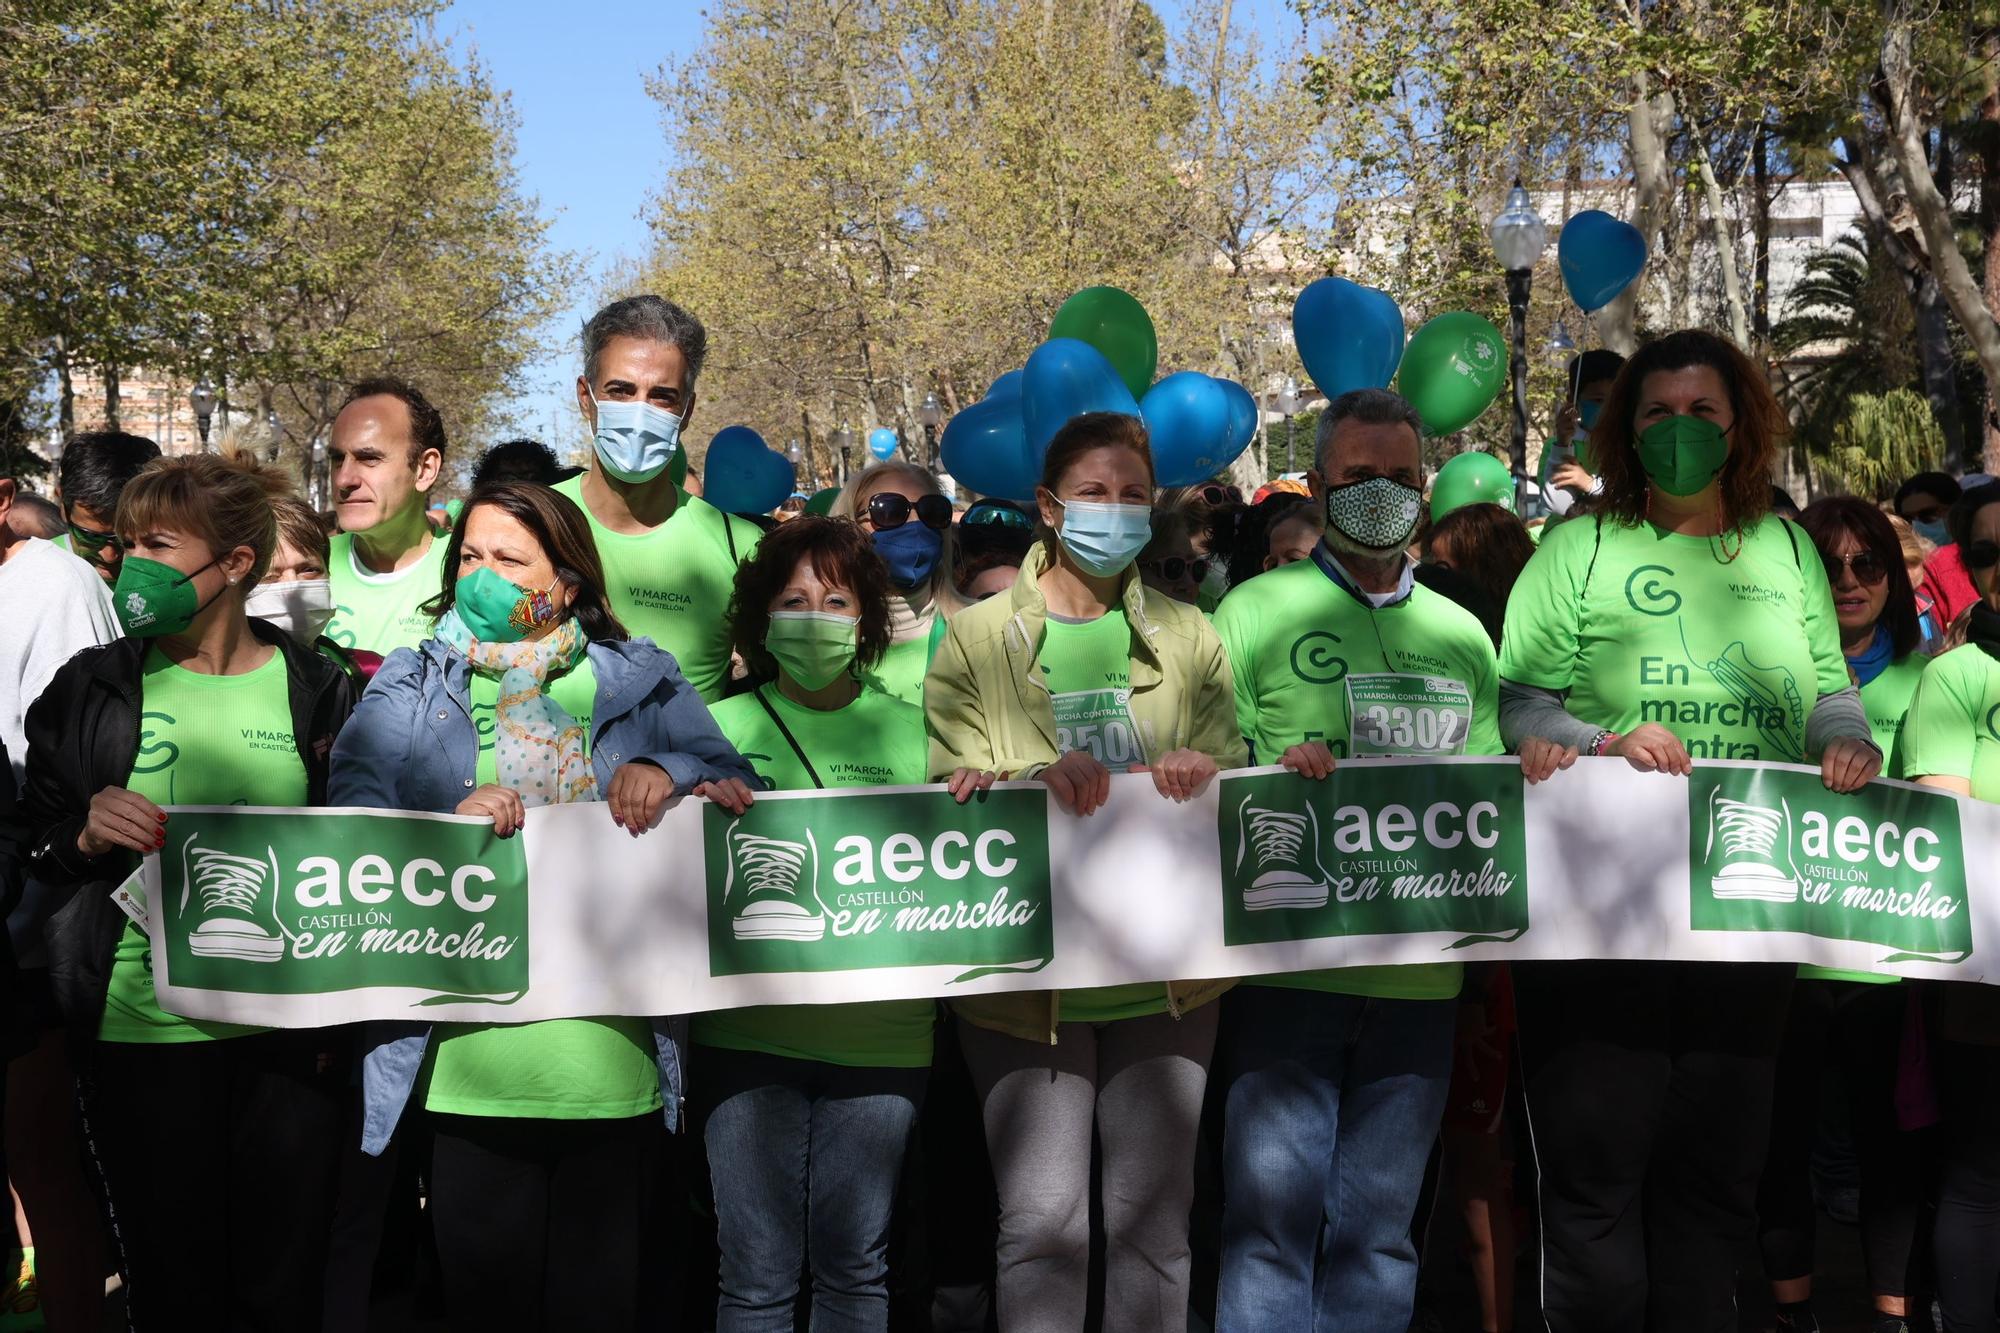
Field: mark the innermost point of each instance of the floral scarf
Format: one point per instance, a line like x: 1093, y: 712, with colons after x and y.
x: 538, y: 748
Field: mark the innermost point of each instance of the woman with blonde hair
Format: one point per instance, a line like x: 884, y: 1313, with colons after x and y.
x: 216, y: 1145
x: 909, y: 520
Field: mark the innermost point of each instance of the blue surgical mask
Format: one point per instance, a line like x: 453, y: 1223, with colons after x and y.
x: 1934, y: 531
x: 911, y: 553
x: 1586, y: 414
x: 635, y: 440
x: 1102, y: 538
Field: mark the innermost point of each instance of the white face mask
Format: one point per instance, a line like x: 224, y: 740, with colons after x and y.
x: 301, y: 609
x: 635, y: 440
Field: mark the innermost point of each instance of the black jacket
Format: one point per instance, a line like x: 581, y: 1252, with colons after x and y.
x: 83, y: 735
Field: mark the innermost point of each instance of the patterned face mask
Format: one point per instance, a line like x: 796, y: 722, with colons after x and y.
x: 1379, y: 513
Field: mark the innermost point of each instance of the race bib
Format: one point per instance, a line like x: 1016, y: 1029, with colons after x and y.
x: 1098, y: 722
x: 1408, y: 715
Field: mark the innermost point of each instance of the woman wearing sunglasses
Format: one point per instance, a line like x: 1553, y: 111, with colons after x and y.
x: 908, y: 518
x: 1852, y: 1018
x: 1077, y: 672
x: 1951, y: 741
x: 1170, y: 564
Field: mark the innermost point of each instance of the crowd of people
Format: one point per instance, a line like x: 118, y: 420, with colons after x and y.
x: 1286, y: 1152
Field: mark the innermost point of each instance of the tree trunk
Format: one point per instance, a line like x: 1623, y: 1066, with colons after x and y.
x: 1989, y: 212
x: 66, y: 390
x: 1933, y: 211
x: 113, y: 415
x: 1725, y: 242
x: 1760, y: 259
x: 1648, y: 117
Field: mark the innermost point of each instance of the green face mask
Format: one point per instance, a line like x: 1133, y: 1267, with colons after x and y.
x: 154, y: 598
x: 495, y: 610
x: 813, y: 647
x: 1683, y: 454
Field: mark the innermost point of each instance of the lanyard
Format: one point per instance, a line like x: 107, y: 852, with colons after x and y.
x: 790, y: 739
x: 1333, y: 575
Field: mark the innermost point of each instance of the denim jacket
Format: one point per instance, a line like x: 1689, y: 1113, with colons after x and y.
x: 411, y: 745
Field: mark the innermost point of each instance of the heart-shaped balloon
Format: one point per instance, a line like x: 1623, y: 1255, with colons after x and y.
x: 1244, y: 416
x: 1349, y: 336
x: 1600, y: 257
x: 985, y: 447
x: 1191, y: 419
x: 1454, y: 369
x: 1112, y: 320
x: 1065, y: 378
x: 743, y: 475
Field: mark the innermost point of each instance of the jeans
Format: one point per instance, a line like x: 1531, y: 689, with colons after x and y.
x: 1333, y: 1103
x: 805, y: 1158
x: 1138, y: 1082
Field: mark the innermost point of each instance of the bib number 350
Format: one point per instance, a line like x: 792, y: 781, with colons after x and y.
x: 1397, y: 714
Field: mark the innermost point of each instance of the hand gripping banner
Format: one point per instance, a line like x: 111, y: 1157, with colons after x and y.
x: 305, y: 918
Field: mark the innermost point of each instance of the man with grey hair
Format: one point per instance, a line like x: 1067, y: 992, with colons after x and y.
x: 1336, y: 1080
x: 669, y: 557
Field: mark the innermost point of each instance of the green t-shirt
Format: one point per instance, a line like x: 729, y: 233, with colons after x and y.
x: 1640, y: 625
x: 1953, y: 728
x: 1088, y: 670
x: 206, y: 740
x: 672, y: 585
x: 1315, y: 662
x: 380, y: 613
x: 875, y: 741
x: 560, y: 1068
x: 900, y: 674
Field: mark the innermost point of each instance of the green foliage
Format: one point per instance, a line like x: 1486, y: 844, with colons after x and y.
x: 1847, y: 330
x: 1880, y: 440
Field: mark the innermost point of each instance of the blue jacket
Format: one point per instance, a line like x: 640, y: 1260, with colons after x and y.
x: 411, y: 745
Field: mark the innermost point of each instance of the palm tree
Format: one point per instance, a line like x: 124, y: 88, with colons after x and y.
x: 1845, y: 332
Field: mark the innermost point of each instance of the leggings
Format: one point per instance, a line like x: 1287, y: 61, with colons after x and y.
x: 1139, y: 1083
x: 1859, y: 1026
x: 1967, y: 1239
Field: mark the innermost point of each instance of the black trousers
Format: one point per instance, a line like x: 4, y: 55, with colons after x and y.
x: 1967, y: 1238
x: 217, y: 1161
x: 539, y: 1222
x: 1648, y: 1089
x: 1858, y: 1027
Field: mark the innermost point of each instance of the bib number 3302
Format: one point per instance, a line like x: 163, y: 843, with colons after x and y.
x: 1409, y: 715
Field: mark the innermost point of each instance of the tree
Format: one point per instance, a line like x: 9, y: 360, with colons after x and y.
x: 1882, y: 440
x: 1849, y: 326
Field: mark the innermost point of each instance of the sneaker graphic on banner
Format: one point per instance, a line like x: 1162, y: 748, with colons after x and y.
x: 768, y: 872
x: 238, y: 893
x: 1755, y: 845
x: 1286, y: 845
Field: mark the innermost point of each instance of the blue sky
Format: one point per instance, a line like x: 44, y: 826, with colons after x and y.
x: 589, y: 143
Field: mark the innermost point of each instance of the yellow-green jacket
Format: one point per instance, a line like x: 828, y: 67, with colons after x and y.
x: 988, y: 709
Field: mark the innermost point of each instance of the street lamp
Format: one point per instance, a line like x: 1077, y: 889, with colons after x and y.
x: 203, y: 401
x: 1519, y: 237
x: 794, y: 456
x: 1561, y: 345
x: 841, y: 441
x: 1287, y: 405
x: 276, y: 429
x: 930, y: 415
x: 318, y: 483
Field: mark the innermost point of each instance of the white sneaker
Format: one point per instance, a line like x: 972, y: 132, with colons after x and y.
x: 232, y: 890
x: 1756, y: 865
x: 770, y: 870
x: 1286, y: 845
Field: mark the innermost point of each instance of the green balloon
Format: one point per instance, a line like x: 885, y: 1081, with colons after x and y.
x: 1452, y: 371
x: 1113, y: 321
x: 1470, y: 479
x: 822, y: 501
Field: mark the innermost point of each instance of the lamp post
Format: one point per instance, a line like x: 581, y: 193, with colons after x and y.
x: 318, y: 480
x: 1519, y: 237
x: 841, y: 441
x: 794, y: 456
x: 1561, y: 345
x: 202, y: 399
x: 930, y: 415
x: 1288, y: 406
x: 276, y: 428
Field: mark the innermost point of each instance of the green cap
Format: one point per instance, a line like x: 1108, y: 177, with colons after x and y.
x: 822, y: 501
x: 1470, y: 479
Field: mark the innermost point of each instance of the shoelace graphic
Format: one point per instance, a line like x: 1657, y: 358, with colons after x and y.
x: 771, y: 865
x: 227, y: 882
x: 1747, y: 830
x: 1275, y: 835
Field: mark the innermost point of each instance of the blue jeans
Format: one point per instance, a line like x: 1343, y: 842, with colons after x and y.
x: 805, y: 1159
x: 1333, y: 1103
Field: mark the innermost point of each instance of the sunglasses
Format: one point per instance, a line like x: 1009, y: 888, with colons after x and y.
x: 1005, y: 516
x: 1982, y: 555
x: 1174, y: 566
x: 1868, y: 570
x: 889, y: 511
x: 1215, y: 495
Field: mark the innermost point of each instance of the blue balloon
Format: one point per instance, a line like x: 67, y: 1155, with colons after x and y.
x: 1008, y: 386
x: 1349, y: 336
x: 743, y: 475
x: 1065, y: 378
x: 1244, y: 416
x: 881, y: 442
x: 985, y: 447
x: 1190, y: 418
x: 1600, y: 257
